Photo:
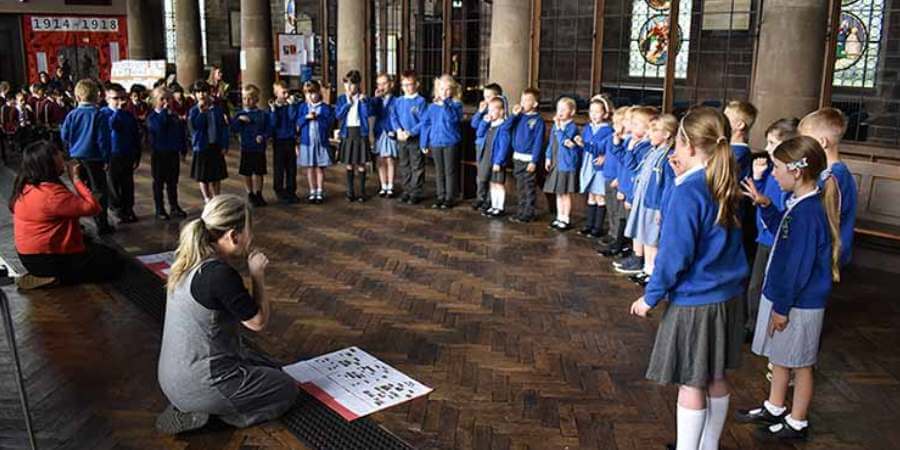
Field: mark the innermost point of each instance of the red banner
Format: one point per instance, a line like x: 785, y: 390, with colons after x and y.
x: 86, y: 46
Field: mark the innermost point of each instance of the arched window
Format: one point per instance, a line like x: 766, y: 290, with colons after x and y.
x: 858, y: 43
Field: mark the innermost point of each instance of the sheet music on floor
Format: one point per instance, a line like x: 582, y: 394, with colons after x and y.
x: 354, y: 383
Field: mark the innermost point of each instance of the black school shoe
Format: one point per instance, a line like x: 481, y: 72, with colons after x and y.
x: 781, y: 432
x: 173, y: 421
x: 759, y: 415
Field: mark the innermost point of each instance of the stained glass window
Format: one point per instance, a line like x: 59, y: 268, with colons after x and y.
x: 171, y: 46
x: 650, y: 35
x: 858, y: 43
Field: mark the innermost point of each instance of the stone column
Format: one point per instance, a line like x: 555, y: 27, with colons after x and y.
x: 351, y: 44
x: 188, y: 44
x: 138, y: 30
x: 256, y: 43
x: 510, y: 46
x: 789, y: 63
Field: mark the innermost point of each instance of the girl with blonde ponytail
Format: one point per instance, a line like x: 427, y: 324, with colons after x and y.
x: 701, y: 269
x: 802, y: 266
x: 203, y: 367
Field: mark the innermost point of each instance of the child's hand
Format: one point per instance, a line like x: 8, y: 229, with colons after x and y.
x: 777, y: 322
x: 579, y: 141
x: 496, y: 168
x: 640, y: 308
x: 569, y: 143
x: 531, y: 167
x: 517, y: 109
x: 260, y: 139
x: 749, y: 190
x: 759, y: 167
x: 614, y: 184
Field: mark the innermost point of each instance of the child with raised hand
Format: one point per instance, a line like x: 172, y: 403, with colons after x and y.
x: 254, y: 128
x: 562, y: 159
x: 440, y: 136
x: 353, y: 111
x: 804, y: 262
x: 593, y: 139
x: 701, y: 270
x: 314, y: 120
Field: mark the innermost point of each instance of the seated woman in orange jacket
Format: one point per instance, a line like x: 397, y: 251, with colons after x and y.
x: 48, y: 237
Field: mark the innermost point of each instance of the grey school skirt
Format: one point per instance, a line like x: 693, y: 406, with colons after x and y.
x: 696, y: 344
x: 796, y: 346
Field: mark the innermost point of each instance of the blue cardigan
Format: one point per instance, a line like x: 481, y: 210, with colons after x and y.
x: 283, y: 120
x: 569, y: 159
x: 166, y: 132
x: 383, y: 110
x: 259, y: 125
x: 501, y: 145
x: 86, y: 132
x: 325, y: 118
x: 847, y: 187
x: 700, y: 262
x: 661, y: 180
x: 200, y: 138
x: 528, y: 135
x: 343, y: 108
x: 408, y: 114
x: 440, y: 125
x: 799, y: 271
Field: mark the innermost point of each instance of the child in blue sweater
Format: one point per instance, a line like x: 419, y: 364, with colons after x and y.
x: 561, y: 161
x: 314, y: 121
x: 353, y: 111
x: 254, y: 128
x: 386, y: 148
x: 166, y: 134
x: 701, y: 270
x: 484, y: 173
x: 209, y: 139
x: 440, y: 136
x: 828, y: 126
x: 85, y: 131
x: 804, y: 262
x: 494, y: 130
x: 593, y: 139
x: 125, y: 153
x: 527, y: 142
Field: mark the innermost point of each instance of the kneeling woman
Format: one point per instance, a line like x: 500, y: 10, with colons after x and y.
x: 203, y: 368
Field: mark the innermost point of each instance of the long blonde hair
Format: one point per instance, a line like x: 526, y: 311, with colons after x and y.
x: 808, y: 149
x: 196, y: 243
x: 707, y: 130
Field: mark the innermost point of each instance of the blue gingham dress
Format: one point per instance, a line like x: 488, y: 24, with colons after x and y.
x: 316, y: 153
x: 641, y: 225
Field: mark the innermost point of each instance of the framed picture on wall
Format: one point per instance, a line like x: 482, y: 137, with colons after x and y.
x: 234, y: 19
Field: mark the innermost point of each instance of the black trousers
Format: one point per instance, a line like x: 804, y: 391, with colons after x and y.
x: 94, y: 176
x: 284, y: 168
x: 526, y: 188
x: 121, y: 183
x: 165, y: 168
x: 412, y: 168
x: 96, y: 264
x: 446, y: 168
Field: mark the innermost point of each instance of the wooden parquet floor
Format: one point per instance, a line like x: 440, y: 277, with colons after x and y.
x: 523, y: 333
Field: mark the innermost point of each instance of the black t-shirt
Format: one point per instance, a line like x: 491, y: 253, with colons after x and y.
x: 219, y: 286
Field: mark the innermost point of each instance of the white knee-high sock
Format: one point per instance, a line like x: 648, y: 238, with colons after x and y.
x: 690, y: 427
x: 717, y: 412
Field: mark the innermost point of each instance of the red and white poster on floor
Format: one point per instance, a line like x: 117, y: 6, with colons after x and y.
x: 354, y: 383
x: 159, y: 263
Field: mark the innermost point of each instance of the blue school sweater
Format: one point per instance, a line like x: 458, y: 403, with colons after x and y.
x: 628, y: 170
x: 408, y: 114
x: 501, y: 145
x: 700, y: 262
x: 343, y: 108
x: 528, y: 137
x: 613, y: 159
x: 258, y: 126
x: 661, y: 180
x: 568, y: 159
x: 847, y: 187
x: 440, y: 125
x: 125, y: 133
x: 199, y: 121
x: 383, y: 110
x: 325, y: 119
x: 744, y: 157
x: 770, y: 188
x: 595, y: 141
x: 86, y: 132
x: 166, y: 132
x: 283, y: 120
x: 799, y: 271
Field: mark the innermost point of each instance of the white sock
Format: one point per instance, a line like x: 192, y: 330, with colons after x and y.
x: 689, y: 427
x: 717, y: 412
x: 774, y: 410
x: 796, y: 424
x: 501, y: 199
